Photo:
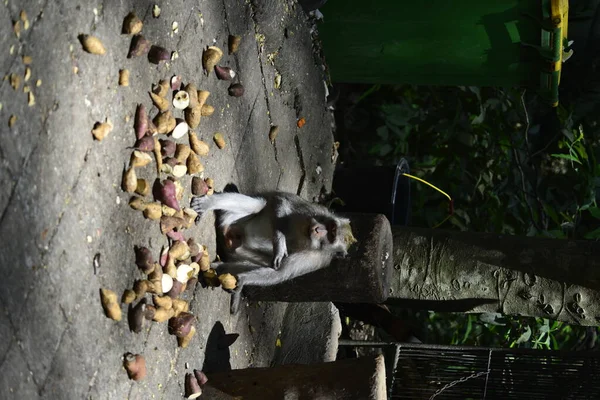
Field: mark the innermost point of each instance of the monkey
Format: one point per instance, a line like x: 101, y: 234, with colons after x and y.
x: 274, y: 237
x: 271, y: 223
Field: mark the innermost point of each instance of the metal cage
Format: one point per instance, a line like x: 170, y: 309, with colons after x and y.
x: 420, y: 371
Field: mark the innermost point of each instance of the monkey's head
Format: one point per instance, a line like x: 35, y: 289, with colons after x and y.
x: 332, y: 234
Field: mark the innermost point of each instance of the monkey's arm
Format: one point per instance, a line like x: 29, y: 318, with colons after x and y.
x: 279, y: 248
x: 282, y: 208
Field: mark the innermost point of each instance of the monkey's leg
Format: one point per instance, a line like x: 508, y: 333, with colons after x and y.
x: 233, y: 205
x: 234, y: 202
x: 283, y: 208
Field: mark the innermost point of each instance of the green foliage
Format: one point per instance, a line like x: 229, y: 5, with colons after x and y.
x: 507, y: 171
x: 477, y: 145
x: 469, y: 329
x: 576, y: 148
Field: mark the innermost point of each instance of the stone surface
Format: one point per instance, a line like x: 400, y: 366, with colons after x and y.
x: 61, y: 202
x: 309, y: 343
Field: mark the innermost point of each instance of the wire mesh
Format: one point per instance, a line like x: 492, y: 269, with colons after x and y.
x: 420, y: 371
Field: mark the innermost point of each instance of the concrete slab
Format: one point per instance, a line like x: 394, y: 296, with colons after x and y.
x: 61, y: 203
x: 16, y: 380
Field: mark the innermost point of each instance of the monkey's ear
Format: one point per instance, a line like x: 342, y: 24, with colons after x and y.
x: 349, y: 238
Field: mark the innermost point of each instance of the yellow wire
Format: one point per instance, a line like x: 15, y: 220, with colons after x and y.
x: 429, y: 184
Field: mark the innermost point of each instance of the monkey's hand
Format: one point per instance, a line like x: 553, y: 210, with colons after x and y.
x: 279, y: 249
x: 278, y: 259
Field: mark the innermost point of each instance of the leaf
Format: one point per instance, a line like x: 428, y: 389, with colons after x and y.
x: 581, y: 151
x: 481, y: 188
x: 456, y: 222
x: 595, y: 211
x: 595, y: 234
x: 551, y: 213
x: 480, y: 118
x: 475, y: 90
x: 566, y: 218
x: 585, y: 206
x: 525, y: 336
x: 467, y: 331
x: 567, y: 157
x: 556, y: 325
x: 385, y: 149
x: 463, y: 214
x: 580, y: 133
x: 557, y: 234
x: 395, y: 130
x: 568, y: 134
x: 374, y: 149
x: 397, y: 114
x: 493, y: 103
x: 544, y: 327
x: 368, y: 92
x: 491, y: 318
x: 555, y: 345
x: 383, y: 132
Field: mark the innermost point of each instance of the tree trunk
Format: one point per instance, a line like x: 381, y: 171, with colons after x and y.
x: 351, y: 379
x: 550, y: 278
x: 212, y: 393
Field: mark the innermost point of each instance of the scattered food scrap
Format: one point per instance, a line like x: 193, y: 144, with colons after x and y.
x: 123, y: 77
x: 234, y: 43
x: 273, y: 132
x: 219, y: 140
x: 156, y: 11
x: 101, y: 129
x: 132, y: 25
x: 135, y: 365
x: 236, y: 90
x: 92, y: 44
x: 210, y: 58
